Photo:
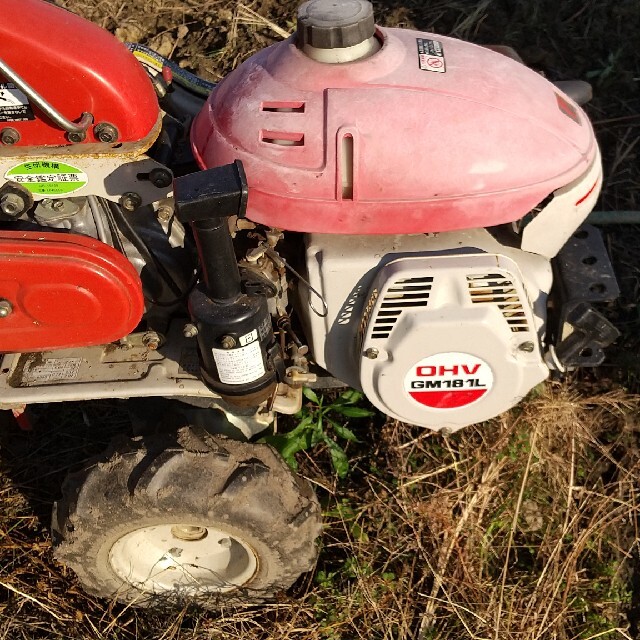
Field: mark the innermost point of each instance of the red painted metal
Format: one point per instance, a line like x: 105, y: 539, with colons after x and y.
x: 66, y: 291
x: 76, y: 66
x: 479, y: 144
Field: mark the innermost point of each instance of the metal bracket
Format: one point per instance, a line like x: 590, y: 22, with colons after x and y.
x: 583, y: 277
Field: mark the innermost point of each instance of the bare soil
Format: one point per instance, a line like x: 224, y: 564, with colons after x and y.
x: 523, y: 527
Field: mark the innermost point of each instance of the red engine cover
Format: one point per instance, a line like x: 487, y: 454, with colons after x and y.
x: 66, y: 291
x: 461, y: 140
x: 76, y: 66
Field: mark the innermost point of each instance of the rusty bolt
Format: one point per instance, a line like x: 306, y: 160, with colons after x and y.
x: 164, y: 213
x: 9, y: 136
x: 151, y: 340
x: 76, y: 136
x: 105, y: 132
x: 228, y: 342
x: 130, y: 201
x: 12, y: 204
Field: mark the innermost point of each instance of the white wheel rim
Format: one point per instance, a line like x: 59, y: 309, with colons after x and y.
x: 183, y: 558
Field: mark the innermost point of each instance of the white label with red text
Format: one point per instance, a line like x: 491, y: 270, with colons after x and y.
x: 448, y: 380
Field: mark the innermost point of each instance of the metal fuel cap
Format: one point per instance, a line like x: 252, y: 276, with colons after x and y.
x: 334, y: 24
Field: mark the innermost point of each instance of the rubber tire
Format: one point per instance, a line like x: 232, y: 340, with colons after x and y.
x: 192, y: 477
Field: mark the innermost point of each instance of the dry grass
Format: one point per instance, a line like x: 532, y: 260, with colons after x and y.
x: 522, y: 528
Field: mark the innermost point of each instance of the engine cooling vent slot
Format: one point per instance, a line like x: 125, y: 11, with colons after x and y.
x: 402, y: 294
x: 495, y: 289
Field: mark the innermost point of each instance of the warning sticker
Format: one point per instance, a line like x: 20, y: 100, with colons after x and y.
x: 48, y: 178
x: 14, y: 105
x: 248, y: 338
x: 239, y: 366
x: 54, y: 370
x: 448, y: 380
x: 431, y: 55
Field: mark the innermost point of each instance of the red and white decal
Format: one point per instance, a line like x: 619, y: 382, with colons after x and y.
x: 448, y: 380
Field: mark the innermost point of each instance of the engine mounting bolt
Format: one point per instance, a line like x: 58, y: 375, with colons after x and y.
x: 527, y: 347
x: 130, y: 201
x: 160, y: 178
x: 151, y: 340
x: 228, y: 342
x: 5, y: 308
x: 9, y: 136
x: 371, y: 353
x: 105, y: 132
x: 12, y: 204
x: 189, y: 330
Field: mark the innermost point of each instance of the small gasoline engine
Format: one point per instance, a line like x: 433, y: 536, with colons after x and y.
x: 387, y: 209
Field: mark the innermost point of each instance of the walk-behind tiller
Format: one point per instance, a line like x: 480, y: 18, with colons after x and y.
x: 387, y: 209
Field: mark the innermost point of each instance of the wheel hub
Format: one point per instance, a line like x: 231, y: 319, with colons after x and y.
x: 183, y: 558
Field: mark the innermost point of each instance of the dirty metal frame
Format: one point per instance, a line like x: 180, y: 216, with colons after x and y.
x: 138, y: 366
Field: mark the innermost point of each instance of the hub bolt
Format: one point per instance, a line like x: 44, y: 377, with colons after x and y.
x: 5, y: 308
x: 9, y: 136
x: 527, y: 347
x: 188, y: 532
x: 371, y: 353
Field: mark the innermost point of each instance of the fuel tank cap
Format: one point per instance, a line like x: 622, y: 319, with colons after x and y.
x: 334, y: 24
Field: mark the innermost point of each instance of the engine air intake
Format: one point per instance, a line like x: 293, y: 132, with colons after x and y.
x: 494, y: 288
x: 402, y: 294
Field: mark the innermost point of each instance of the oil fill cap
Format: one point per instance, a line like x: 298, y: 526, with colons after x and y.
x: 334, y: 24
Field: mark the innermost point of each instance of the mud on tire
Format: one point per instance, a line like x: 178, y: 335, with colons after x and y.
x: 117, y: 522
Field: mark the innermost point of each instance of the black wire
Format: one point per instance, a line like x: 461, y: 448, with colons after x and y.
x: 144, y: 250
x: 113, y: 228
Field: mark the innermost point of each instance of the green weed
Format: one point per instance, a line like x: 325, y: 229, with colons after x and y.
x: 318, y: 425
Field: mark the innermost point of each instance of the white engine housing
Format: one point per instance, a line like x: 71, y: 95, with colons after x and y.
x: 439, y: 331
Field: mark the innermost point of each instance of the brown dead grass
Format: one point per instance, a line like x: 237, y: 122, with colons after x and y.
x: 523, y: 528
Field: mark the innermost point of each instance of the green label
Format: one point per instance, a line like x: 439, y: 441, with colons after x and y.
x: 48, y: 178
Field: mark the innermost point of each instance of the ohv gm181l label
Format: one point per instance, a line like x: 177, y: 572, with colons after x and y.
x: 448, y: 380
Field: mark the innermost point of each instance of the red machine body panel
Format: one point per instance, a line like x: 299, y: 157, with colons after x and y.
x: 76, y: 66
x: 65, y: 291
x: 479, y: 141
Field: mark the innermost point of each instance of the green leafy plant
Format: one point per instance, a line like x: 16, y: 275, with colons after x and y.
x: 318, y: 425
